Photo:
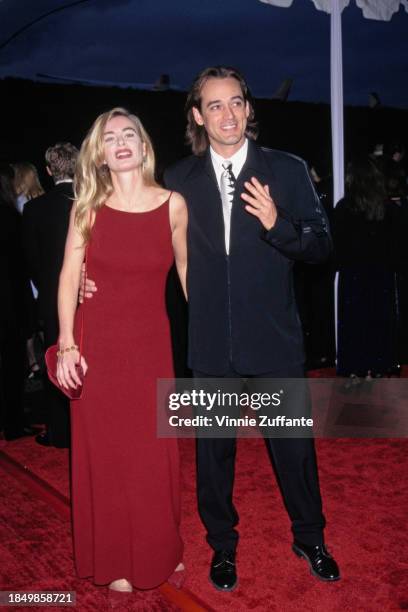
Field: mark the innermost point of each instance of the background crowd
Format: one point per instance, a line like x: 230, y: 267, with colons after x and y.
x: 369, y: 228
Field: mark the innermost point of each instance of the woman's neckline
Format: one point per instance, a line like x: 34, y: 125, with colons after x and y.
x: 140, y: 212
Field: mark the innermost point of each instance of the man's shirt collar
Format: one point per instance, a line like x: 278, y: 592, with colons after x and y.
x: 237, y: 159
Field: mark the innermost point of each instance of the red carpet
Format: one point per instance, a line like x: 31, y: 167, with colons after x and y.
x: 365, y: 492
x: 36, y: 554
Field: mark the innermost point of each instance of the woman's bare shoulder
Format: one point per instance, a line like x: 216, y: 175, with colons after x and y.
x: 177, y: 199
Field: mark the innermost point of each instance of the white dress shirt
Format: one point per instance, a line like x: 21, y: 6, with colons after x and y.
x: 237, y: 160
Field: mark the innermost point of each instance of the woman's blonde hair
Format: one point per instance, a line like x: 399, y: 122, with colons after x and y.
x: 92, y: 182
x: 26, y: 180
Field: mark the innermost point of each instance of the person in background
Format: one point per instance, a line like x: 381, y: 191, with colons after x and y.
x: 363, y: 245
x: 45, y: 226
x: 27, y: 187
x: 26, y: 183
x: 395, y: 150
x: 397, y: 204
x: 14, y: 286
x: 314, y: 283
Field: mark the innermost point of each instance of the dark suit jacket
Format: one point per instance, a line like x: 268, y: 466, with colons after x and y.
x: 242, y: 308
x: 13, y: 280
x: 45, y: 227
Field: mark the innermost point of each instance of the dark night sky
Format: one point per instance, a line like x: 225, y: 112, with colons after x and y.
x: 136, y: 40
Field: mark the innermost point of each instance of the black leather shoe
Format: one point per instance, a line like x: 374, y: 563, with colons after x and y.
x: 43, y: 439
x: 321, y: 563
x: 21, y: 433
x: 223, y: 574
x: 29, y: 430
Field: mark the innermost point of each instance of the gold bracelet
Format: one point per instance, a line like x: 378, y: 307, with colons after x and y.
x: 74, y: 347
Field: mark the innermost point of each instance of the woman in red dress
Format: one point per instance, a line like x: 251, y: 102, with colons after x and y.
x: 125, y: 481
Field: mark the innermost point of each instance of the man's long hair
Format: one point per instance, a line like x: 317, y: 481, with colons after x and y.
x: 196, y: 135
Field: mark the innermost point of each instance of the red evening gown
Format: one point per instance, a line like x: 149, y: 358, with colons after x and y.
x: 125, y: 480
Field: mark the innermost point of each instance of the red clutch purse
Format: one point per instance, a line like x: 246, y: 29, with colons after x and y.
x: 51, y: 355
x: 51, y: 360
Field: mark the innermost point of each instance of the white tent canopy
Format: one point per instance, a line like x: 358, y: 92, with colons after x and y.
x: 381, y: 10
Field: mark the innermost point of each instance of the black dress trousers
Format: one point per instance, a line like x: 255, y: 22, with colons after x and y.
x: 294, y: 461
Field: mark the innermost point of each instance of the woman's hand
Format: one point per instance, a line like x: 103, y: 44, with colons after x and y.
x: 67, y: 373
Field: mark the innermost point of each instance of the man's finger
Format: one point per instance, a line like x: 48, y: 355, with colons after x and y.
x: 253, y: 211
x: 260, y: 188
x: 253, y: 201
x: 255, y: 192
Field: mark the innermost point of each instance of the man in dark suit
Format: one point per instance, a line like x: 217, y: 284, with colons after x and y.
x: 45, y: 226
x: 252, y: 213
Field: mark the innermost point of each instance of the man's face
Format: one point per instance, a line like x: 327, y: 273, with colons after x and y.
x: 224, y: 114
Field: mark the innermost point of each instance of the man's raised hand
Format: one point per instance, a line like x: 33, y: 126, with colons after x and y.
x: 259, y: 203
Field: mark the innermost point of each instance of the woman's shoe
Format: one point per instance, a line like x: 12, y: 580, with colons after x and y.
x: 34, y: 371
x: 122, y: 585
x: 178, y: 577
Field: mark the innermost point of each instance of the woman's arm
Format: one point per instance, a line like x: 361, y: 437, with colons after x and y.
x: 67, y: 303
x: 178, y: 224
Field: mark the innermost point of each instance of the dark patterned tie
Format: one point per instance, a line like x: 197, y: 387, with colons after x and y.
x: 227, y: 195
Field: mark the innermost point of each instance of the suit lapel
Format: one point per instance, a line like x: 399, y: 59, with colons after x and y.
x: 255, y: 165
x: 205, y: 205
